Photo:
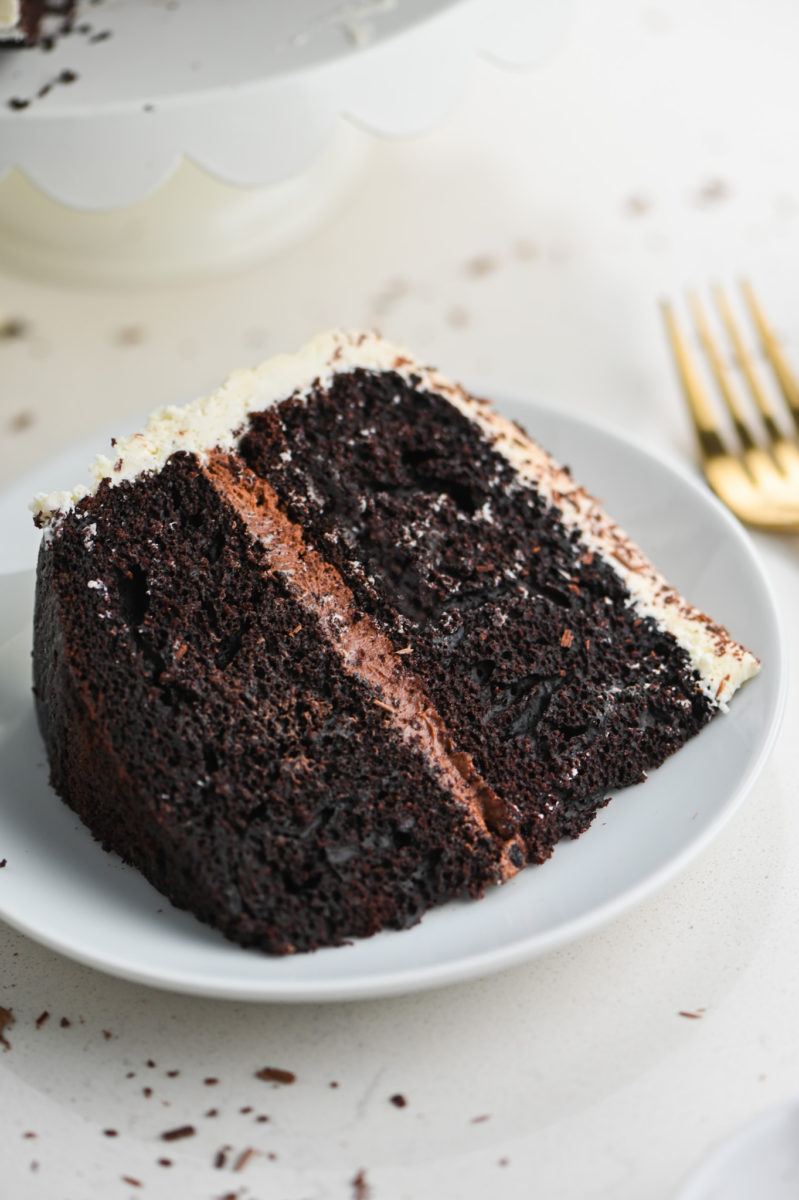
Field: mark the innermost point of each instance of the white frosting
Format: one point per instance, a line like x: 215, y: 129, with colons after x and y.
x: 217, y: 420
x: 9, y: 18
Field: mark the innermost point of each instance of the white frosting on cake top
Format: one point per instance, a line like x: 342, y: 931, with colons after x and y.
x: 218, y: 419
x: 9, y: 18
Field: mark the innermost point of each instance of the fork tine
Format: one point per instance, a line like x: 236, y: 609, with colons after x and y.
x: 773, y: 351
x: 720, y: 372
x: 748, y: 367
x: 699, y: 406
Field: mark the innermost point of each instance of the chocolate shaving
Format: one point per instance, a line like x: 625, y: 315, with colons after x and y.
x: 360, y: 1188
x: 182, y: 1131
x: 275, y: 1075
x: 244, y: 1158
x: 6, y: 1019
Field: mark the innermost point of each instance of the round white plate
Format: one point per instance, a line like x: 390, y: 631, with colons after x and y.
x: 758, y: 1162
x: 63, y: 890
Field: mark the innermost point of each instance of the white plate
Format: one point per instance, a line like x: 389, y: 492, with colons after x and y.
x: 758, y: 1162
x: 62, y: 889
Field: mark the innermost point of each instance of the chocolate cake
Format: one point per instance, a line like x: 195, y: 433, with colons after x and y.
x: 339, y: 643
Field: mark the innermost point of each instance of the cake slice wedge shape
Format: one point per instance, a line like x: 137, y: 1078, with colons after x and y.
x: 338, y: 643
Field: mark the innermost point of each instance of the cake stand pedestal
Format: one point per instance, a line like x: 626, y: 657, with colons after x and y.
x: 162, y: 142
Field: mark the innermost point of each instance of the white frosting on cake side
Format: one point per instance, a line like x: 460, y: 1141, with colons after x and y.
x: 215, y: 421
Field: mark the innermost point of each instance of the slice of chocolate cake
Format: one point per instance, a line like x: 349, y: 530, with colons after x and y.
x: 339, y: 643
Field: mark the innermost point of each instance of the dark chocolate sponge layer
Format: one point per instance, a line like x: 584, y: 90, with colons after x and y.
x: 198, y: 724
x: 527, y: 644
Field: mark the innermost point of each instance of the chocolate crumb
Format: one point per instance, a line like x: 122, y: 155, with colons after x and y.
x: 360, y: 1187
x: 711, y: 192
x: 480, y: 265
x: 334, y: 1083
x: 18, y: 424
x: 247, y: 1109
x: 481, y: 1118
x: 172, y: 1074
x: 165, y: 1162
x: 131, y: 1075
x: 67, y: 77
x: 42, y: 1017
x: 262, y: 1119
x: 211, y: 1081
x: 65, y: 1022
x: 458, y: 317
x: 107, y: 1034
x: 6, y: 1019
x: 130, y: 335
x: 16, y: 103
x: 637, y: 205
x: 182, y: 1131
x: 694, y: 1016
x: 398, y: 1100
x: 147, y: 1092
x: 4, y: 861
x: 524, y: 249
x: 111, y: 1133
x: 220, y: 1159
x: 30, y: 1135
x: 212, y: 1112
x: 275, y: 1075
x: 150, y: 1063
x: 133, y: 1182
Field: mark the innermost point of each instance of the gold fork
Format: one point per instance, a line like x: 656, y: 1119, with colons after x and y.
x: 759, y: 480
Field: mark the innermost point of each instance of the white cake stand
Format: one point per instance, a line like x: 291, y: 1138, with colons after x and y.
x: 163, y: 139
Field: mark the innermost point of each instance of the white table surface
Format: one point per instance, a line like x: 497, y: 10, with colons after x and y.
x: 523, y: 244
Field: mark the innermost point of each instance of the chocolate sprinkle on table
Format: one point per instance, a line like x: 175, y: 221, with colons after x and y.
x: 360, y: 1188
x: 182, y: 1131
x: 275, y: 1075
x: 6, y: 1019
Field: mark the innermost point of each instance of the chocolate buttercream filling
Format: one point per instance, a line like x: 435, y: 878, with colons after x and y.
x: 365, y: 651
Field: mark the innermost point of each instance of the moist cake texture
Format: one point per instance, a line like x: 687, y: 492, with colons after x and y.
x: 338, y: 643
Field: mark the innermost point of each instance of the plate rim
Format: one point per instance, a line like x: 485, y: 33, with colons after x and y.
x: 482, y: 963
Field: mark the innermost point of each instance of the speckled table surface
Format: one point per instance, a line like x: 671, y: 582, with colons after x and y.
x: 522, y: 245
